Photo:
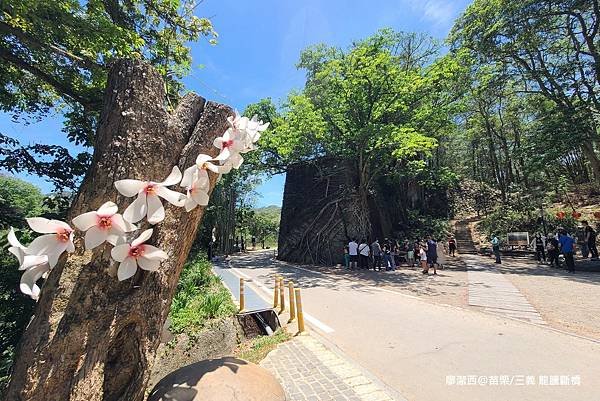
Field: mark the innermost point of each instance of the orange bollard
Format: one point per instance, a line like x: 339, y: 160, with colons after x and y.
x: 242, y: 296
x: 281, y: 295
x: 276, y: 293
x: 299, y: 311
x: 292, y: 303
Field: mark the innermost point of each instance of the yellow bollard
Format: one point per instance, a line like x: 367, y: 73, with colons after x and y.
x: 299, y: 311
x: 292, y: 303
x: 276, y: 293
x: 281, y: 295
x: 242, y: 296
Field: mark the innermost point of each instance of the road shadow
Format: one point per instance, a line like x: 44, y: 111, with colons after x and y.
x: 366, y: 281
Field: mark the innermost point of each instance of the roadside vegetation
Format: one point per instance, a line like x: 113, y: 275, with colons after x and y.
x: 200, y: 297
x: 256, y: 350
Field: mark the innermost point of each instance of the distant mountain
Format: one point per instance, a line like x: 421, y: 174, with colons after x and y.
x: 268, y: 209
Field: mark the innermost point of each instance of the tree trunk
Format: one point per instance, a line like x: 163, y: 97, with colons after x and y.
x: 94, y: 338
x: 590, y: 154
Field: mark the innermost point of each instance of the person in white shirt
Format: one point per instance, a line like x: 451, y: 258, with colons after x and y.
x: 423, y: 257
x: 353, y: 251
x: 363, y: 254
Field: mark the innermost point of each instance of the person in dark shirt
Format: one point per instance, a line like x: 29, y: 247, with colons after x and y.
x: 553, y: 251
x: 590, y: 237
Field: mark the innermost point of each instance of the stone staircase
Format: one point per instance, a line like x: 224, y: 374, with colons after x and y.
x: 464, y: 239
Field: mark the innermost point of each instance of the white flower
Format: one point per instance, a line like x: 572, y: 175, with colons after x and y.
x: 202, y: 166
x: 136, y: 254
x: 248, y: 130
x: 58, y: 238
x: 230, y: 144
x: 197, y: 192
x: 35, y: 266
x: 105, y: 224
x: 148, y: 201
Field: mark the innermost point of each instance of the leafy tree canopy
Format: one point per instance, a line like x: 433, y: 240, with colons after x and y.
x: 56, y: 55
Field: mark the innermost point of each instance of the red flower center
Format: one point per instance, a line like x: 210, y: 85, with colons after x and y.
x: 104, y: 223
x: 63, y: 235
x: 136, y: 251
x: 227, y: 144
x: 150, y: 189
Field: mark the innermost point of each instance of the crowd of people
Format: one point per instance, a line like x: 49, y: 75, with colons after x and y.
x: 389, y: 254
x: 549, y: 248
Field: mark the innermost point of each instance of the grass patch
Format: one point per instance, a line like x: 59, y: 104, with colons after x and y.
x: 257, y: 349
x: 200, y: 297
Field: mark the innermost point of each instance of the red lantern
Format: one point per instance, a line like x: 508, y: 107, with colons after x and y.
x: 576, y: 215
x: 560, y: 215
x: 597, y: 215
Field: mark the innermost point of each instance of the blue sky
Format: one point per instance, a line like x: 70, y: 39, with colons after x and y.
x: 259, y: 45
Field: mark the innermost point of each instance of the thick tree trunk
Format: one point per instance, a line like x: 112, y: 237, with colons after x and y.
x: 93, y: 337
x: 587, y: 147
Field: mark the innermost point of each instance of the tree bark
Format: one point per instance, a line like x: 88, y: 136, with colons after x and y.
x: 94, y: 338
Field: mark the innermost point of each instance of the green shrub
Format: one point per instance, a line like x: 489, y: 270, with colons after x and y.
x: 200, y: 297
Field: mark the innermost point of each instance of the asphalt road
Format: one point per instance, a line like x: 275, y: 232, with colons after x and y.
x: 431, y: 352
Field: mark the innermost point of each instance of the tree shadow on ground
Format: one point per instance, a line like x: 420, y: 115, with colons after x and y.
x: 366, y: 281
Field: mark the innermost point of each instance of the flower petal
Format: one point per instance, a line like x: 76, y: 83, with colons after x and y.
x: 173, y: 197
x: 156, y: 211
x: 119, y: 223
x: 41, y: 225
x: 173, y: 178
x: 200, y: 197
x: 12, y: 239
x: 127, y: 269
x: 152, y: 252
x: 190, y: 204
x: 30, y: 261
x: 148, y: 264
x: 129, y: 187
x: 144, y: 236
x: 85, y: 221
x: 108, y: 209
x: 188, y: 176
x: 53, y: 259
x: 19, y: 253
x: 137, y: 210
x: 116, y: 237
x: 120, y: 252
x: 43, y: 245
x: 29, y: 279
x: 94, y: 237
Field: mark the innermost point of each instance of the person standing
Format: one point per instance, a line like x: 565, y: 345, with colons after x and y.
x: 363, y: 254
x: 432, y: 254
x: 539, y: 244
x: 346, y: 257
x: 496, y: 248
x: 410, y: 255
x: 452, y: 246
x: 441, y: 255
x: 566, y: 247
x: 376, y: 249
x: 423, y: 259
x: 388, y: 262
x: 590, y: 239
x: 552, y: 249
x: 353, y: 252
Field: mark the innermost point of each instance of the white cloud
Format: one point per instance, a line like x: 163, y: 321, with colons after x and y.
x: 439, y: 12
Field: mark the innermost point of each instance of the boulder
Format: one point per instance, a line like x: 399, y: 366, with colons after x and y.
x: 223, y: 379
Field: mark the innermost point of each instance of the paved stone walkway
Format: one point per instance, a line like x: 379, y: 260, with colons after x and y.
x: 490, y: 290
x: 310, y: 371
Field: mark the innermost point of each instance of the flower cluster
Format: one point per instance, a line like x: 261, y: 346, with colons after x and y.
x: 106, y: 225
